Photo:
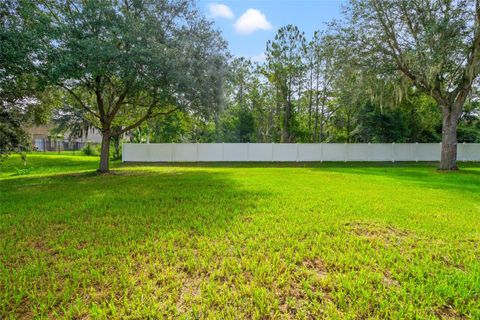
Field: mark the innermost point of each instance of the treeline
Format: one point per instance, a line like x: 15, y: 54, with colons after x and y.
x: 308, y: 90
x: 159, y: 71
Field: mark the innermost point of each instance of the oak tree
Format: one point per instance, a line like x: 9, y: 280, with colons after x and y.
x: 125, y: 62
x: 435, y: 45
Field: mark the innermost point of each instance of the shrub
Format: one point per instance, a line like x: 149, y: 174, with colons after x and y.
x: 23, y: 171
x: 89, y: 150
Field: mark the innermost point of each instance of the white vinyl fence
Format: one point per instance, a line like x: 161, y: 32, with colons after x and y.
x: 291, y: 152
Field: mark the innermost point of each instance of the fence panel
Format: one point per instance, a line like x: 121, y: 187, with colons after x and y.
x: 403, y: 152
x: 185, y: 152
x: 469, y: 151
x: 210, y: 152
x: 358, y: 152
x: 135, y: 152
x: 260, y: 152
x: 235, y: 152
x: 310, y: 152
x: 380, y: 152
x: 428, y: 151
x: 286, y: 152
x: 334, y: 152
x: 160, y: 152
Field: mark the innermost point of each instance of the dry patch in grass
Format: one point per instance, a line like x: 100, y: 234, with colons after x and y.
x: 376, y: 231
x: 188, y: 294
x: 389, y: 281
x: 318, y: 266
x: 310, y: 277
x: 448, y: 313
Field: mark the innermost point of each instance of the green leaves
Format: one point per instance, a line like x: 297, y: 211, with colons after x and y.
x: 12, y: 134
x: 121, y: 63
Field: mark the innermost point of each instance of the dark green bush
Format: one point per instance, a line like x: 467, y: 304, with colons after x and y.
x: 89, y: 150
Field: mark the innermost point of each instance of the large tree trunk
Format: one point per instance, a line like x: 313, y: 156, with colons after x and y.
x: 105, y: 153
x: 448, y: 159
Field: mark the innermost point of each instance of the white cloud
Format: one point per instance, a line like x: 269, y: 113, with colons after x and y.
x: 251, y: 21
x: 220, y: 10
x: 259, y: 57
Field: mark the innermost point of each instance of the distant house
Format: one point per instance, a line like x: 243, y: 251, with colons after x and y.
x: 43, y: 140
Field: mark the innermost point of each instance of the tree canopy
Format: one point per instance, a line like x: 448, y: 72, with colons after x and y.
x: 388, y: 71
x: 122, y: 63
x: 433, y: 45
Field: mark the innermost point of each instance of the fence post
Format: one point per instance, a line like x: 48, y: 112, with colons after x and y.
x: 416, y: 151
x: 393, y: 151
x: 321, y: 152
x: 223, y: 151
x: 248, y: 151
x: 369, y: 151
x: 440, y: 159
x: 273, y: 146
x: 198, y: 157
x: 173, y: 152
x: 296, y: 156
x: 346, y: 152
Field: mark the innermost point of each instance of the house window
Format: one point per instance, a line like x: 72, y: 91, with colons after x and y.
x: 40, y: 144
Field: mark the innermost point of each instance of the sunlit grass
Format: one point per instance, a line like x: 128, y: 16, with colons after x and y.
x: 238, y: 241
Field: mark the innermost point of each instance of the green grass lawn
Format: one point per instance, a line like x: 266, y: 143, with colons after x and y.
x: 339, y: 241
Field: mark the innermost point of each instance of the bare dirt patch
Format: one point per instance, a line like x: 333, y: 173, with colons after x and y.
x: 318, y: 266
x: 188, y: 293
x: 389, y: 281
x: 41, y: 245
x: 448, y: 313
x: 374, y: 231
x: 292, y: 297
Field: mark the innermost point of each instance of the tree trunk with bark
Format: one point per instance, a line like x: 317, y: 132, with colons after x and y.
x: 448, y: 160
x: 105, y: 153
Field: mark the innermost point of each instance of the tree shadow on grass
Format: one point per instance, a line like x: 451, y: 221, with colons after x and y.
x: 467, y: 179
x: 468, y: 166
x: 82, y: 231
x: 424, y: 174
x: 130, y: 204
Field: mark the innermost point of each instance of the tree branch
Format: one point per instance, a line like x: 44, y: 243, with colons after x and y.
x: 397, y: 54
x: 118, y: 103
x: 470, y: 72
x: 84, y: 106
x: 148, y: 115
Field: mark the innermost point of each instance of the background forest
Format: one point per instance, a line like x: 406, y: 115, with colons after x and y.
x: 385, y: 72
x: 306, y: 92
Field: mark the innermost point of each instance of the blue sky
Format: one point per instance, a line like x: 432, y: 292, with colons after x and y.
x: 248, y: 24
